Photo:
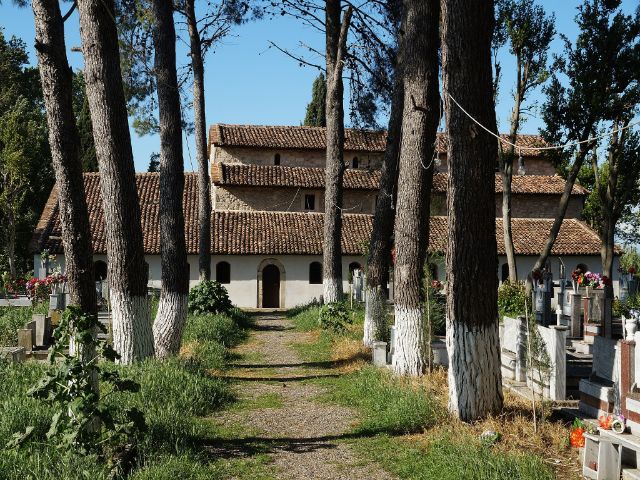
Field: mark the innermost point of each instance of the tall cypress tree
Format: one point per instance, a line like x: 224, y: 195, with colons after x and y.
x: 315, y: 116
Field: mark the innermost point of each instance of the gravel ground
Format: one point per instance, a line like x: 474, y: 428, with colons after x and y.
x: 304, y: 436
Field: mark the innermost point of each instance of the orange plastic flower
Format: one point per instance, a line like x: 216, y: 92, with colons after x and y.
x: 605, y: 421
x: 576, y: 439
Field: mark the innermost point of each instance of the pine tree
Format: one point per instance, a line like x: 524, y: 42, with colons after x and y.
x: 315, y: 116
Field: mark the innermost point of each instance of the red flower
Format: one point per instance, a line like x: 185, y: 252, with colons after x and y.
x: 606, y: 281
x: 632, y: 270
x: 576, y: 439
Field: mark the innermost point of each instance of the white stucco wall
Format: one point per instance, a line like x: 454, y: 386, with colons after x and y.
x: 243, y: 289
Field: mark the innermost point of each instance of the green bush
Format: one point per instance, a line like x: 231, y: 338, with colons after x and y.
x: 511, y: 299
x: 623, y: 308
x: 209, y: 297
x: 13, y: 318
x: 335, y: 317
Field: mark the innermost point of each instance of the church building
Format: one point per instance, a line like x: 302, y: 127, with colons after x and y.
x: 268, y: 203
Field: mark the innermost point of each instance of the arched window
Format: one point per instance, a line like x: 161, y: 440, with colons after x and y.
x: 223, y: 272
x: 582, y: 267
x: 354, y: 162
x: 100, y: 270
x: 315, y: 273
x: 504, y: 272
x: 276, y: 159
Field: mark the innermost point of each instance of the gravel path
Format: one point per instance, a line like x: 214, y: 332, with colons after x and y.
x: 302, y: 436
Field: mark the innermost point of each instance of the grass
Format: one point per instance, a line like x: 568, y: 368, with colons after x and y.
x: 13, y: 318
x: 268, y: 400
x: 175, y: 396
x: 404, y: 424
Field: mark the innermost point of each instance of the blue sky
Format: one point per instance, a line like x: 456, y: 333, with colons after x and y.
x: 248, y: 82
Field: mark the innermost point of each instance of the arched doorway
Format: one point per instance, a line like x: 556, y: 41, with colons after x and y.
x: 100, y: 270
x: 271, y: 287
x: 271, y: 284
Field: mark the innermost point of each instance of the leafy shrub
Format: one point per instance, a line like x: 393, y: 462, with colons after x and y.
x: 335, y: 317
x: 511, y: 299
x: 623, y: 308
x: 630, y: 259
x: 13, y: 318
x: 209, y: 297
x: 221, y: 329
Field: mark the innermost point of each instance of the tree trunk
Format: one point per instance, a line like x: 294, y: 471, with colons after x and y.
x: 420, y: 118
x: 11, y: 244
x: 336, y: 38
x: 562, y: 210
x: 132, y: 334
x: 375, y: 324
x: 64, y: 141
x: 172, y: 310
x: 507, y: 172
x: 199, y: 116
x: 475, y: 380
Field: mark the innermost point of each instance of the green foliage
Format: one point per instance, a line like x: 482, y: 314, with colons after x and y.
x: 154, y: 163
x: 13, y: 318
x: 335, y: 317
x: 209, y: 297
x: 386, y: 404
x: 316, y: 116
x: 81, y: 420
x: 630, y: 258
x: 624, y: 308
x: 88, y: 156
x: 511, y: 299
x: 210, y: 337
x: 435, y: 303
x: 447, y: 458
x: 25, y: 159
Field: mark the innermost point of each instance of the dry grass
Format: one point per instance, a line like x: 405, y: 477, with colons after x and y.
x: 514, y: 423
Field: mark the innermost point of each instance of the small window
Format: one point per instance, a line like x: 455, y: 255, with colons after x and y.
x: 310, y: 202
x: 276, y: 159
x: 315, y: 273
x: 223, y: 272
x: 354, y: 162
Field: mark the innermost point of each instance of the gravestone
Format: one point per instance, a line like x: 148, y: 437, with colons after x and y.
x: 43, y: 330
x: 596, y: 306
x: 543, y: 296
x: 624, y: 288
x: 12, y: 354
x: 357, y: 285
x: 379, y: 351
x: 25, y: 338
x: 576, y: 317
x: 31, y: 326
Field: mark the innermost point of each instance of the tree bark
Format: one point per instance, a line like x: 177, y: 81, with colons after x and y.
x: 507, y: 176
x: 199, y: 116
x: 560, y: 213
x: 64, y: 141
x: 132, y: 333
x: 420, y: 118
x: 475, y: 380
x: 375, y: 324
x: 336, y: 44
x: 172, y: 310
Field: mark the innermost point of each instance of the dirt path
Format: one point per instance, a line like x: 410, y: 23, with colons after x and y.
x: 280, y: 415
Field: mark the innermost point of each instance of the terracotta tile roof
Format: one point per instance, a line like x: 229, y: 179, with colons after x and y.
x: 235, y: 174
x: 313, y: 138
x: 288, y: 233
x: 525, y: 184
x: 281, y: 176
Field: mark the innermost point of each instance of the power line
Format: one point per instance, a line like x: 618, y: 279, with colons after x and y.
x: 553, y: 147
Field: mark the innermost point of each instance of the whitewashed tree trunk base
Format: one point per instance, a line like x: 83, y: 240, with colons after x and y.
x: 475, y: 379
x: 332, y: 290
x: 131, y: 324
x: 410, y: 355
x: 375, y: 318
x: 169, y: 323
